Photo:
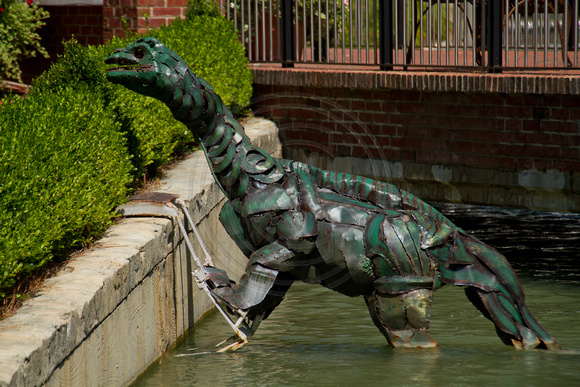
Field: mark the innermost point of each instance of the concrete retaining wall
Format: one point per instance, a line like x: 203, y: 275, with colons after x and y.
x: 119, y: 306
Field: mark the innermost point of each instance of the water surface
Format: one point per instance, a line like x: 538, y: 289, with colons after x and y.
x: 318, y: 337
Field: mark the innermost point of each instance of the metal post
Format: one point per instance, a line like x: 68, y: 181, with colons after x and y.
x: 287, y: 35
x: 495, y: 24
x: 573, y: 23
x: 401, y: 24
x: 386, y: 34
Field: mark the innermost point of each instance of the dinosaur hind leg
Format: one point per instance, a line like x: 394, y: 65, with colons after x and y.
x: 513, y: 321
x: 493, y: 287
x: 403, y: 318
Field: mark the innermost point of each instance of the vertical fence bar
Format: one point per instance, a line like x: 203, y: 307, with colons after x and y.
x: 575, y: 29
x: 319, y: 36
x: 429, y: 25
x: 376, y: 31
x: 343, y: 38
x: 335, y: 32
x: 287, y: 36
x: 526, y: 10
x: 401, y: 24
x: 439, y: 30
x: 495, y: 26
x: 386, y: 34
x: 396, y: 29
x: 350, y: 32
x: 357, y: 29
x: 473, y: 34
x: 447, y: 45
x: 327, y: 43
x: 296, y: 28
x: 365, y: 33
x: 465, y: 32
x: 412, y: 33
x: 536, y: 40
x: 305, y: 29
x: 565, y: 35
x: 456, y: 24
x: 243, y: 26
x: 506, y: 33
x: 254, y: 23
x: 546, y: 30
x: 421, y: 42
x: 262, y: 33
x: 556, y: 32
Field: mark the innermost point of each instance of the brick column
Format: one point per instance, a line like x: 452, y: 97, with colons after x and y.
x: 139, y: 15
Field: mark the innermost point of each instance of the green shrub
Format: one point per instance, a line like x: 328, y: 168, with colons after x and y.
x: 63, y: 168
x: 153, y: 135
x: 18, y: 37
x: 197, y: 8
x: 69, y: 150
x: 79, y: 66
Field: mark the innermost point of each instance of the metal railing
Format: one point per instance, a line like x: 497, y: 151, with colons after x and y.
x: 490, y: 34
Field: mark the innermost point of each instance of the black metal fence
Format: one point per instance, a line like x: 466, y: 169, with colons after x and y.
x: 401, y: 34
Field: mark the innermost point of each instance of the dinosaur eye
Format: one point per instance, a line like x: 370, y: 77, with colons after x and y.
x: 139, y: 53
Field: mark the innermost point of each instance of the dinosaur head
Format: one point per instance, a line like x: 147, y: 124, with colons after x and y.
x: 146, y: 67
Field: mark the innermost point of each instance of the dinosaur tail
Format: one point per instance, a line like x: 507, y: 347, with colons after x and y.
x: 493, y: 287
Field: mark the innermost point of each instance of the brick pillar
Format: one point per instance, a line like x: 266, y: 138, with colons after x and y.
x: 139, y: 15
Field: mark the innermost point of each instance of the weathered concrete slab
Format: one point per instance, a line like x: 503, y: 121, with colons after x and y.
x: 119, y: 306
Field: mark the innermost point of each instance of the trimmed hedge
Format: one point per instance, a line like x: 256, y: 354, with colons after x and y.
x: 71, y: 151
x: 64, y: 166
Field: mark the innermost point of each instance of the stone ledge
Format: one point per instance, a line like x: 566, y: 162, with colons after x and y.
x: 508, y: 83
x: 119, y: 306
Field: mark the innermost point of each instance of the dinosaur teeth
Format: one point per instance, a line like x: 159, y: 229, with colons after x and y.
x: 131, y: 67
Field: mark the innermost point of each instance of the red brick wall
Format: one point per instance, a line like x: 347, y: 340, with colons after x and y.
x: 84, y: 22
x: 158, y: 13
x: 97, y: 24
x: 468, y: 124
x: 474, y: 129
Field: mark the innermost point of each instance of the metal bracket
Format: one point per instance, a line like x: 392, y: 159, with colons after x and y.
x: 166, y: 205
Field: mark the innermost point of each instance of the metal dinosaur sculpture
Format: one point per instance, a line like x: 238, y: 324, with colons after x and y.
x: 354, y: 235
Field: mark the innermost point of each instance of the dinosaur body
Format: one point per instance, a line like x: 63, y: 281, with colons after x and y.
x: 355, y: 235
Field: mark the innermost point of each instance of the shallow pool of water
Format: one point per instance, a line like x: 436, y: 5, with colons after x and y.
x: 319, y: 337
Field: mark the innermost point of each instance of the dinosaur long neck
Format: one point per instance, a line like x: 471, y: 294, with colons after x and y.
x: 235, y: 162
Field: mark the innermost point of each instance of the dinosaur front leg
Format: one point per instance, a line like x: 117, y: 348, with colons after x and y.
x: 259, y: 291
x: 261, y: 288
x: 403, y: 318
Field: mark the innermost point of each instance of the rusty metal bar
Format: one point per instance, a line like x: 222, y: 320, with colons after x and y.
x: 495, y: 26
x: 386, y: 34
x: 287, y: 35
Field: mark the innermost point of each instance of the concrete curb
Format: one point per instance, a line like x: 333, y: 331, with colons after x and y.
x: 119, y: 306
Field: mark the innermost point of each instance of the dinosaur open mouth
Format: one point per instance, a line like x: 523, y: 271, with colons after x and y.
x: 131, y: 67
x: 125, y: 64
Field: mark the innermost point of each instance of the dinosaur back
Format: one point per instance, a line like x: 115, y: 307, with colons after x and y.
x: 381, y: 194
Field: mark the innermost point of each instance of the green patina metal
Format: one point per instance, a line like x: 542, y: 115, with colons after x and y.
x: 355, y: 235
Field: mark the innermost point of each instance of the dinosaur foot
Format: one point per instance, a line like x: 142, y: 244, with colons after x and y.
x: 238, y: 343
x: 411, y: 339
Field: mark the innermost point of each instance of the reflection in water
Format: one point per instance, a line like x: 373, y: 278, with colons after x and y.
x: 318, y: 337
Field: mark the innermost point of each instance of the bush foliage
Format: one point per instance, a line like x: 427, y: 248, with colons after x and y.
x: 18, y: 37
x: 64, y: 166
x: 72, y: 150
